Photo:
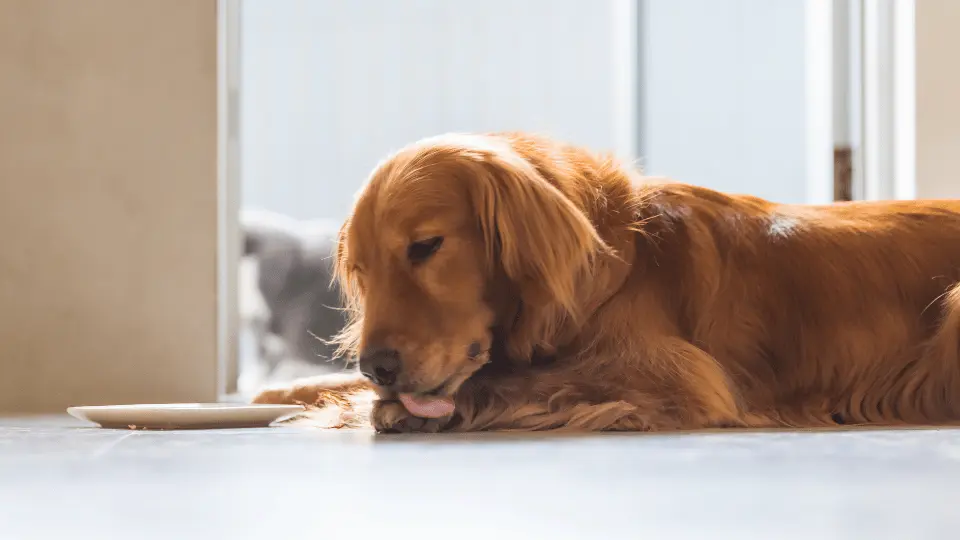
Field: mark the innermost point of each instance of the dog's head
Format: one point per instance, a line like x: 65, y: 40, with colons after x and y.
x: 449, y: 236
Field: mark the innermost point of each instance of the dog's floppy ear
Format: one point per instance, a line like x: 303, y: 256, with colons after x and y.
x: 345, y: 277
x: 542, y: 240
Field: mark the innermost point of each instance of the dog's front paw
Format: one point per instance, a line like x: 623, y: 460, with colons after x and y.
x: 392, y: 417
x: 314, y: 390
x: 284, y: 395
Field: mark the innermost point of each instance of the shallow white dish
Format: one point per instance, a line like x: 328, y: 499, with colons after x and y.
x: 184, y: 415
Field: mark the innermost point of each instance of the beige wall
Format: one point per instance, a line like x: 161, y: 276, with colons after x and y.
x: 108, y: 199
x: 938, y: 98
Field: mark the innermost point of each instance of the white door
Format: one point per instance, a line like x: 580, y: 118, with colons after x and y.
x: 736, y: 95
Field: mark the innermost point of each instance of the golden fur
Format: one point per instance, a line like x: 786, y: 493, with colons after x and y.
x: 606, y: 301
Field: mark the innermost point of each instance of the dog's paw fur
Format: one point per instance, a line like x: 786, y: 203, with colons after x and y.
x: 330, y: 401
x: 313, y: 390
x: 391, y: 417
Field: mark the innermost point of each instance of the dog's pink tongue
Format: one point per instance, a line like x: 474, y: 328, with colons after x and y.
x: 427, y: 406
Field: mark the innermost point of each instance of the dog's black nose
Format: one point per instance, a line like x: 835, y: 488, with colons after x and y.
x: 380, y: 365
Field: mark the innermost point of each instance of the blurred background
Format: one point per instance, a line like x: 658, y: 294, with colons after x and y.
x: 327, y: 88
x: 791, y: 100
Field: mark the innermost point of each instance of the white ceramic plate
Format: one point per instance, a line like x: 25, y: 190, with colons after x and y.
x: 184, y: 415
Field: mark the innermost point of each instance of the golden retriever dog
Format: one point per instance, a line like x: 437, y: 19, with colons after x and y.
x: 511, y: 282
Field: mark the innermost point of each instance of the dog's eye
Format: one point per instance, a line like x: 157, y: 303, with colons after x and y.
x: 422, y: 250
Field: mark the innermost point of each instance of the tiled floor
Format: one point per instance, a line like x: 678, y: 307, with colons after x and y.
x: 59, y: 479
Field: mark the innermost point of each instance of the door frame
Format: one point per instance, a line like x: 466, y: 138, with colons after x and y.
x: 883, y: 33
x: 228, y: 195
